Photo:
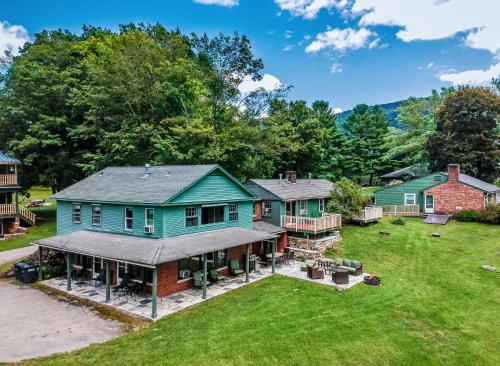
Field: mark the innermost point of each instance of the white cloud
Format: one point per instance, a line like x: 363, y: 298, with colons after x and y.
x: 12, y: 37
x: 226, y: 3
x: 309, y: 9
x: 337, y: 110
x: 340, y: 39
x: 374, y: 43
x: 288, y: 48
x: 432, y: 19
x: 336, y: 68
x: 288, y: 34
x: 430, y: 65
x: 472, y: 76
x: 269, y: 82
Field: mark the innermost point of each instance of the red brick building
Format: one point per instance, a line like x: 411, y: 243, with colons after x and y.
x: 461, y: 192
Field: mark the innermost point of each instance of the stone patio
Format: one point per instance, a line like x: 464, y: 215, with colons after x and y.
x: 141, y: 305
x: 293, y: 270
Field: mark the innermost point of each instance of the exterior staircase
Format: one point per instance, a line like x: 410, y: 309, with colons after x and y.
x: 25, y: 214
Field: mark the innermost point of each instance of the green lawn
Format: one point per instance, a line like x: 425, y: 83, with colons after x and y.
x: 46, y: 221
x: 368, y: 191
x: 435, y: 306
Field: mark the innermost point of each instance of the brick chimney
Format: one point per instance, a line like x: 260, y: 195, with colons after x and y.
x: 291, y: 176
x: 453, y: 172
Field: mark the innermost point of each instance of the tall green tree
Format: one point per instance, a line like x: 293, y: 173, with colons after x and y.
x: 407, y: 146
x: 367, y: 128
x: 467, y: 133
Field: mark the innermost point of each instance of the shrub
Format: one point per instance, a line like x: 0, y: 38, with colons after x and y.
x: 347, y: 199
x: 398, y: 221
x: 467, y: 215
x: 490, y: 215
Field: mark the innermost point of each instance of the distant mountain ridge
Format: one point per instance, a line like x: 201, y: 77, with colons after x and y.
x: 388, y: 108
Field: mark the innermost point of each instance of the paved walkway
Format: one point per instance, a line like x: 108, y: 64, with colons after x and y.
x: 11, y: 255
x: 35, y: 324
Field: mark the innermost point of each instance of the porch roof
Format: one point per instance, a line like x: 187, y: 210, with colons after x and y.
x: 151, y: 252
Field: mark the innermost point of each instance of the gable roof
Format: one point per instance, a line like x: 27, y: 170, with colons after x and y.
x: 415, y: 172
x: 302, y: 189
x: 129, y: 184
x: 476, y: 183
x: 7, y: 159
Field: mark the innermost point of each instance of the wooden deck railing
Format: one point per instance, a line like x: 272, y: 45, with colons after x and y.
x: 8, y: 179
x: 401, y: 210
x: 311, y: 224
x: 10, y: 210
x: 369, y: 214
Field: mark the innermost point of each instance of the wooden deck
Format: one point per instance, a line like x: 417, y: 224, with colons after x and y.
x: 313, y: 225
x: 369, y: 214
x: 401, y: 210
x: 9, y: 210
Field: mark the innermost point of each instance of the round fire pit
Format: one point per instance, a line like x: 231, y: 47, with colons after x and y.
x: 372, y: 281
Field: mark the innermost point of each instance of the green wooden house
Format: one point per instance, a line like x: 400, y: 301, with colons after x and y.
x: 297, y: 205
x: 156, y: 225
x: 410, y: 193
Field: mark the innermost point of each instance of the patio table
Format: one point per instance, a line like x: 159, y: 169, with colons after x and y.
x: 340, y: 276
x: 277, y: 254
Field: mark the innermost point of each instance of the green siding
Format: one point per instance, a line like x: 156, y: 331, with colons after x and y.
x: 213, y: 188
x: 395, y: 195
x: 175, y: 219
x: 312, y: 208
x: 112, y: 219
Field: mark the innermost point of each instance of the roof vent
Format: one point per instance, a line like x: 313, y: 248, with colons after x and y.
x: 147, y: 170
x: 281, y: 178
x: 167, y: 174
x: 310, y: 177
x: 100, y: 173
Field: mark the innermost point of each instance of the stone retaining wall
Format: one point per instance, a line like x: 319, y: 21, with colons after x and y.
x: 312, y: 248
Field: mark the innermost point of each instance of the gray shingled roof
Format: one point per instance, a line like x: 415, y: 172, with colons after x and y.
x: 151, y: 252
x: 7, y: 159
x: 267, y: 227
x: 129, y: 184
x: 303, y: 189
x: 416, y: 172
x: 477, y: 183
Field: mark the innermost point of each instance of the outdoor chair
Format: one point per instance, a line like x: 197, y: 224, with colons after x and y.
x: 97, y: 280
x: 198, y: 279
x: 291, y: 257
x: 121, y: 288
x: 215, y: 276
x: 235, y: 267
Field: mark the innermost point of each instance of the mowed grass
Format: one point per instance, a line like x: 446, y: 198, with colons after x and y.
x: 46, y: 220
x: 368, y: 191
x: 435, y: 306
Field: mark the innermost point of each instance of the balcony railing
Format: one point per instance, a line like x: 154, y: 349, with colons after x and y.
x: 8, y: 179
x: 369, y: 214
x: 7, y: 209
x: 312, y: 224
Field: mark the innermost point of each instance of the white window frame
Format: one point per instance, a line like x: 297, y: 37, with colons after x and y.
x: 270, y: 208
x: 92, y: 215
x: 321, y: 205
x: 232, y: 209
x: 73, y: 205
x: 146, y: 221
x: 414, y: 199
x: 303, y: 211
x: 126, y: 218
x: 186, y: 216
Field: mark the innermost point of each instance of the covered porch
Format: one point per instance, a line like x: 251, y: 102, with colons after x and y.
x: 158, y: 266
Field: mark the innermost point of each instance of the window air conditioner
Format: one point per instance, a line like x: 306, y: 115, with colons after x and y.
x: 149, y: 229
x: 185, y: 273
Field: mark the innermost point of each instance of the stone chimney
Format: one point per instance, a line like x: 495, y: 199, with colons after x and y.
x: 453, y: 172
x: 291, y: 176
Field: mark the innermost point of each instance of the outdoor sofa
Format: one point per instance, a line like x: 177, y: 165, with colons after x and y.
x: 352, y: 266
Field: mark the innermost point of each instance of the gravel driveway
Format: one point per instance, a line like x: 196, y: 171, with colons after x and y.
x: 36, y: 324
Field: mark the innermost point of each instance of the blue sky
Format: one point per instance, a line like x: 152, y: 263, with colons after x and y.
x: 342, y: 51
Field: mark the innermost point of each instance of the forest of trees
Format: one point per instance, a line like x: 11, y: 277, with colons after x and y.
x: 73, y: 104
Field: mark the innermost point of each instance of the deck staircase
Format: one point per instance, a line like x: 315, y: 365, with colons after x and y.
x: 10, y: 210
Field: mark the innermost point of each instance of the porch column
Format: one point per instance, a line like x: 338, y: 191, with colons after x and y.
x: 17, y: 203
x: 273, y: 251
x: 154, y: 294
x: 68, y: 271
x: 204, y: 276
x: 247, y: 263
x: 108, y: 280
x: 40, y: 274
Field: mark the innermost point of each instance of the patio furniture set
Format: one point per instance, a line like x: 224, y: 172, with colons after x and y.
x: 283, y: 258
x: 339, y: 268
